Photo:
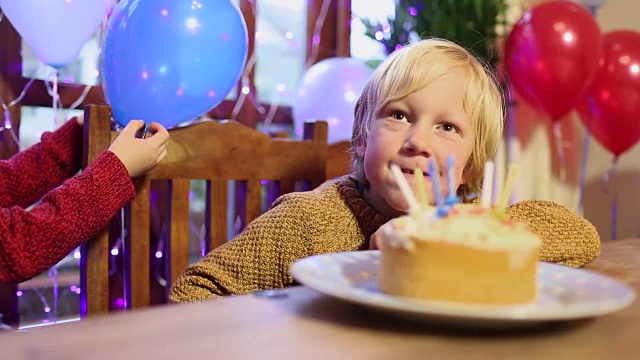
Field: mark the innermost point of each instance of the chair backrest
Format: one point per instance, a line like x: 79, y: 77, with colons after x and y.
x: 215, y: 152
x: 339, y: 159
x: 339, y: 156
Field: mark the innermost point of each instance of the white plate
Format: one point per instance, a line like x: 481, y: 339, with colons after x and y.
x: 564, y: 293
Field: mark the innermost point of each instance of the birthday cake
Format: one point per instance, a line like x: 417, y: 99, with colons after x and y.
x: 467, y: 253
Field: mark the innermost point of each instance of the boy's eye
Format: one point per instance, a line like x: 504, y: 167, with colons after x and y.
x: 397, y: 115
x: 448, y: 127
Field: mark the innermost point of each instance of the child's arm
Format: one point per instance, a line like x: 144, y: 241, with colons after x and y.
x: 567, y: 238
x: 32, y: 241
x: 31, y: 173
x: 257, y: 259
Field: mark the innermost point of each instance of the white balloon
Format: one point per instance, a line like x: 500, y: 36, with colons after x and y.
x: 328, y: 91
x: 55, y: 30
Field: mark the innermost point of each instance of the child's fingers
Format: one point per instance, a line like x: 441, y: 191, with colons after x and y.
x: 160, y: 133
x: 155, y: 127
x: 132, y: 127
x: 79, y: 119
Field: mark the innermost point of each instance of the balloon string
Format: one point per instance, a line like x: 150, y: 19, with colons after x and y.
x: 317, y: 29
x: 614, y: 199
x: 7, y: 114
x: 513, y: 145
x: 557, y: 131
x: 55, y: 98
x: 607, y: 179
x: 19, y: 98
x: 245, y: 88
x: 9, y: 127
x: 52, y: 90
x: 271, y: 114
x: 585, y: 156
x: 42, y: 298
x: 80, y: 99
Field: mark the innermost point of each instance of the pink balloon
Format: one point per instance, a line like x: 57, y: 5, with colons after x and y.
x: 329, y: 91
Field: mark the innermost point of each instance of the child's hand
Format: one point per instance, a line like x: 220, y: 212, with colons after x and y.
x: 393, y: 224
x: 80, y: 119
x: 140, y: 155
x: 374, y: 240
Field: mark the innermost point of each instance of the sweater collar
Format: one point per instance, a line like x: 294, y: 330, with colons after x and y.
x: 368, y: 219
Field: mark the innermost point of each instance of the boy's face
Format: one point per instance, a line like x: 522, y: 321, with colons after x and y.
x: 430, y: 123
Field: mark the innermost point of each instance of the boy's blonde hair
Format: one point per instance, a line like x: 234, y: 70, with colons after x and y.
x: 412, y: 68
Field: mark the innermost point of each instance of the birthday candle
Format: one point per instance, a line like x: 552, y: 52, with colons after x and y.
x: 405, y: 189
x: 503, y: 201
x: 487, y: 184
x: 421, y: 191
x: 435, y: 181
x: 450, y: 181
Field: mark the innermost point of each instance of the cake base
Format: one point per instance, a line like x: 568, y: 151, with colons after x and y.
x: 435, y: 270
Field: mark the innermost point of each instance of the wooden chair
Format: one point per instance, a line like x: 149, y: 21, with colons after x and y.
x: 339, y: 159
x: 215, y: 152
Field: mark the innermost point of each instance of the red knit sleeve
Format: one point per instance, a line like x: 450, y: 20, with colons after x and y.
x: 28, y: 175
x: 32, y: 241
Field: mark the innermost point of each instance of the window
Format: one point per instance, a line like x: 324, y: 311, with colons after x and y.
x: 377, y: 11
x: 281, y: 32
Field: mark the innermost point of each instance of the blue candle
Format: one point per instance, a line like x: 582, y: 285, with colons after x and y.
x: 435, y: 183
x: 452, y: 198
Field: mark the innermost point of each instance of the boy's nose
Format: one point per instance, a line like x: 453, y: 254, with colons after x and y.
x: 419, y: 141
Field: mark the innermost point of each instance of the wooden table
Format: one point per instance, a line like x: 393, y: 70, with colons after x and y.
x: 304, y: 324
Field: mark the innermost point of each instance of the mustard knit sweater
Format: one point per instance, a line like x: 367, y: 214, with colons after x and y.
x: 334, y: 218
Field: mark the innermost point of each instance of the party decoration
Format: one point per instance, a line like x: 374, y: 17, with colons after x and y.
x: 614, y: 115
x: 328, y: 91
x: 552, y: 55
x: 56, y: 30
x: 171, y: 61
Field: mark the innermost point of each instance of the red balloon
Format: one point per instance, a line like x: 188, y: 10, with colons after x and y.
x: 615, y: 93
x: 552, y: 54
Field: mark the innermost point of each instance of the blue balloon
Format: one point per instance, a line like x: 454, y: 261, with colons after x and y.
x: 170, y: 61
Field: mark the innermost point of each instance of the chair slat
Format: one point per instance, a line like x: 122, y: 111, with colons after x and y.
x: 138, y: 246
x: 94, y: 260
x: 94, y: 275
x: 217, y: 196
x: 179, y: 241
x: 254, y: 200
x: 286, y: 186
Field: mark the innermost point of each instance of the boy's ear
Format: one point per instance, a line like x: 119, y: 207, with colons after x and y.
x: 360, y: 149
x: 465, y: 176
